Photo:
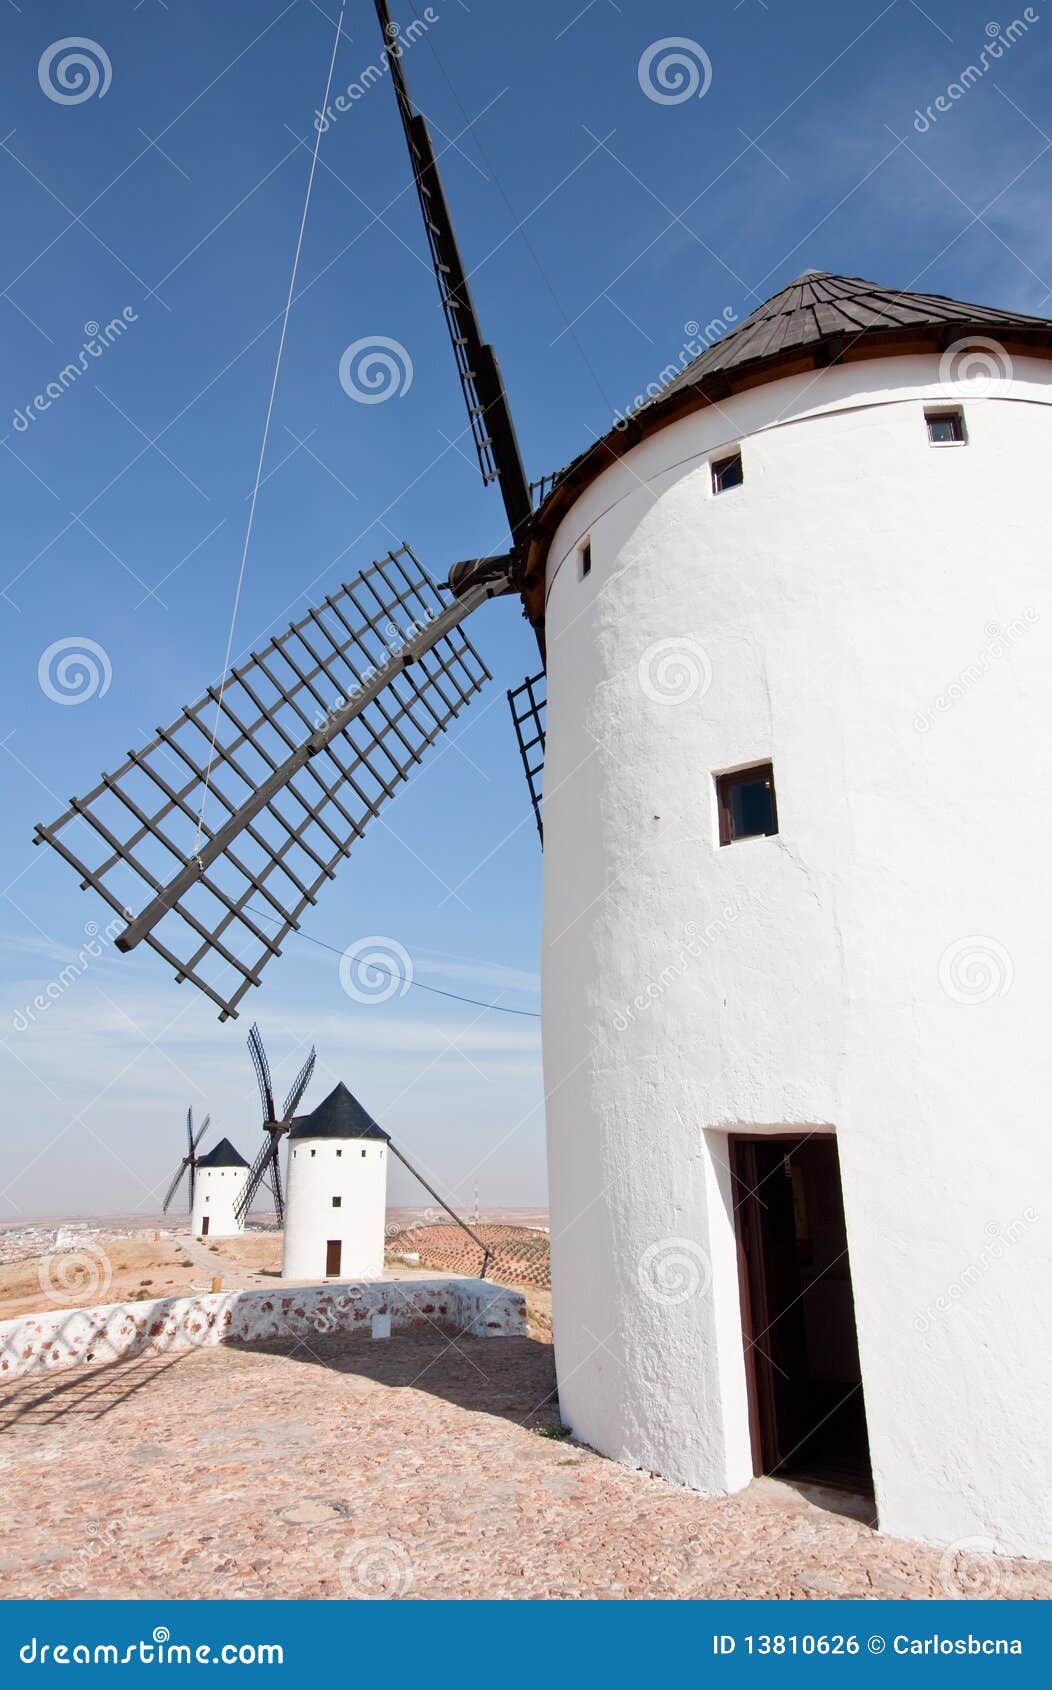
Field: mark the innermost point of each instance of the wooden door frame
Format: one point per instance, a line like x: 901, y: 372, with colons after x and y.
x: 750, y: 1243
x: 748, y: 1234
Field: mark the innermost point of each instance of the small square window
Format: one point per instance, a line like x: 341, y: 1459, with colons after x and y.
x: 747, y: 804
x: 727, y: 473
x: 363, y: 1152
x: 339, y: 1152
x: 584, y: 560
x: 945, y: 428
x: 337, y: 1202
x: 314, y: 1153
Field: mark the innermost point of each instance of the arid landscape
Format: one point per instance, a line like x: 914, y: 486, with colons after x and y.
x: 433, y: 1464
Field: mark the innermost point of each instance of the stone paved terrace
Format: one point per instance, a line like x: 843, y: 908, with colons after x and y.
x: 411, y: 1468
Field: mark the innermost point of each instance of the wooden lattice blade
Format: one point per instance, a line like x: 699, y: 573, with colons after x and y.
x: 214, y: 837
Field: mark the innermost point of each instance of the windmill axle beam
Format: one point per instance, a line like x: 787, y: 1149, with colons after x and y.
x: 415, y: 647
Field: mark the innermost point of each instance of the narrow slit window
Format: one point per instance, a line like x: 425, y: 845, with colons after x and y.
x: 746, y: 803
x: 727, y: 473
x: 584, y: 560
x: 945, y: 428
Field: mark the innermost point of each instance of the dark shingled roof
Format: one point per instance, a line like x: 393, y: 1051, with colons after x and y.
x: 818, y: 320
x: 222, y: 1155
x: 338, y: 1116
x: 817, y: 305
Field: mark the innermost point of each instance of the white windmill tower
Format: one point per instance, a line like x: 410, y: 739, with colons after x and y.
x: 793, y: 617
x: 336, y: 1197
x: 219, y: 1185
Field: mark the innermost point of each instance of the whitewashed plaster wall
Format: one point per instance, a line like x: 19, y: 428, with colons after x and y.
x: 874, y: 614
x: 62, y: 1338
x: 355, y: 1170
x: 216, y: 1191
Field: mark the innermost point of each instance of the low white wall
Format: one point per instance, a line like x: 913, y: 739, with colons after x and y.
x: 48, y: 1343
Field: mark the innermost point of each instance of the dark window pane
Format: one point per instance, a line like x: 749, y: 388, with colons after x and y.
x: 747, y: 805
x: 946, y: 428
x: 751, y: 809
x: 726, y: 473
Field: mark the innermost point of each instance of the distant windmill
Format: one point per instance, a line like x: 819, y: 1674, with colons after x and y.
x: 267, y: 1166
x: 189, y: 1161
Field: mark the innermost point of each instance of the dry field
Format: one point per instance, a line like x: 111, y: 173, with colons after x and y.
x: 99, y: 1267
x: 431, y: 1465
x: 136, y: 1267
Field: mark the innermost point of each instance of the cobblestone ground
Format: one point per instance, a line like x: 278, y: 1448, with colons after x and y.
x: 416, y: 1467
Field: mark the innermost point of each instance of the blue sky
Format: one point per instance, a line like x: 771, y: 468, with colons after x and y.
x: 597, y: 222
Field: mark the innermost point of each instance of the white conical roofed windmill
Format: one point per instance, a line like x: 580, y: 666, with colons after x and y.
x: 793, y: 612
x: 337, y: 1192
x: 218, y: 1189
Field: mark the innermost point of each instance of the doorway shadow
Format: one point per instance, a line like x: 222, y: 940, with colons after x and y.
x: 831, y: 1499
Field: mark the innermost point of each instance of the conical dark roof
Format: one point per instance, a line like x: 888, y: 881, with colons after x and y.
x: 338, y: 1116
x: 817, y: 320
x: 222, y: 1155
x: 817, y: 305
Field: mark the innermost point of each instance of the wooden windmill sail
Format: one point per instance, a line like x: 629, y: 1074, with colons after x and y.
x: 214, y: 837
x: 266, y: 1169
x: 188, y: 1165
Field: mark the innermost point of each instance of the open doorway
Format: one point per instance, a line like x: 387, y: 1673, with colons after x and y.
x: 806, y: 1412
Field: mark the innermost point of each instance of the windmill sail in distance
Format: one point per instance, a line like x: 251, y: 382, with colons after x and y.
x: 266, y: 1169
x: 188, y: 1165
x: 214, y: 837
